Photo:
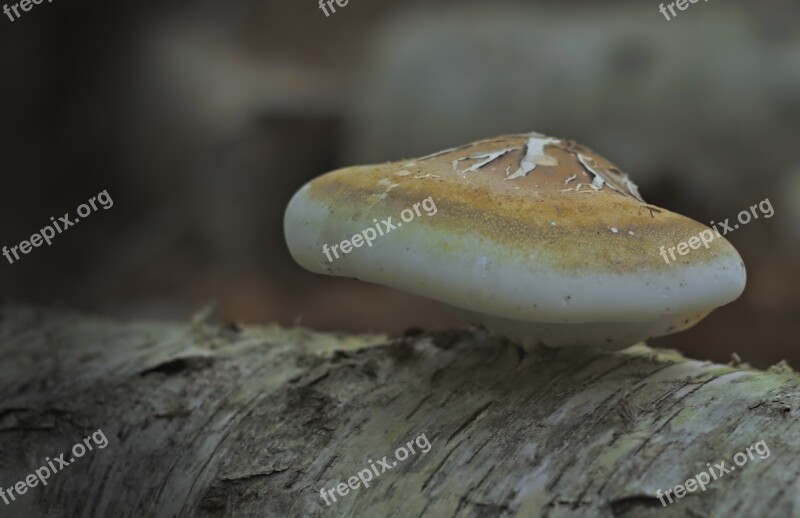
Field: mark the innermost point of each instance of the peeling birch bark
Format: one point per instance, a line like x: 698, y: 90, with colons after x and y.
x: 216, y: 421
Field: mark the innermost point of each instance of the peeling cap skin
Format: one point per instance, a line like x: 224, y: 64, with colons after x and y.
x: 534, y: 237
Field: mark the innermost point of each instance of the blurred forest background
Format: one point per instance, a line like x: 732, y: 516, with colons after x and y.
x: 202, y: 118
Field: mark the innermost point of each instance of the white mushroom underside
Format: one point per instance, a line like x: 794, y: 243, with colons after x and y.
x: 608, y: 335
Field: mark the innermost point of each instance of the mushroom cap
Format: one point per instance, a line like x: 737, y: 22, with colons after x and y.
x: 531, y: 232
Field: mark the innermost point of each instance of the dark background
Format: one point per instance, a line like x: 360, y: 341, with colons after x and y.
x: 201, y: 119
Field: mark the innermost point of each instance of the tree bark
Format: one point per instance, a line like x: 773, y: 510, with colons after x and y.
x: 210, y: 420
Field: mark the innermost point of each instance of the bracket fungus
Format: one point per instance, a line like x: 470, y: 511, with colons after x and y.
x: 536, y: 238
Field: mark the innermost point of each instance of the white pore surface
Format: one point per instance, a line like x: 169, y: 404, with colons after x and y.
x: 607, y: 335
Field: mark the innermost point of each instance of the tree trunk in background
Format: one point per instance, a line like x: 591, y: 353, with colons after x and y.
x: 214, y: 421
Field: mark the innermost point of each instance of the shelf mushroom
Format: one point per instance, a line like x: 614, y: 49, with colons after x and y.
x: 536, y: 238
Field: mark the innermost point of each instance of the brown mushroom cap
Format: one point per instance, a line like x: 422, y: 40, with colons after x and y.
x: 528, y: 229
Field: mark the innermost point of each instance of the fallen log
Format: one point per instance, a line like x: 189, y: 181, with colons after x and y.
x: 212, y: 420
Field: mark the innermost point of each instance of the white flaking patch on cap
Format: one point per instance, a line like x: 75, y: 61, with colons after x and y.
x: 483, y: 159
x: 535, y: 155
x: 602, y: 177
x: 632, y: 188
x: 598, y: 183
x: 457, y: 148
x: 598, y: 180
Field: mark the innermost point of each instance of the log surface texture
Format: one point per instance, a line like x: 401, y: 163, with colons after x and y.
x: 211, y: 420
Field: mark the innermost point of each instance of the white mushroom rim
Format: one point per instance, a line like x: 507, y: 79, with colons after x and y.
x: 381, y: 228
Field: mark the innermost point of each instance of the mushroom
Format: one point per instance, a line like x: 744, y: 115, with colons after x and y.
x: 536, y: 238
